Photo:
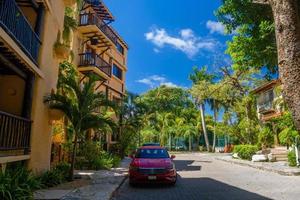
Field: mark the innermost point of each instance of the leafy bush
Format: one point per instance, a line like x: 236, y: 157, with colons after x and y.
x: 288, y: 136
x: 59, y: 174
x: 265, y: 137
x: 245, y: 151
x: 292, y: 159
x: 93, y: 158
x: 18, y: 184
x: 51, y: 178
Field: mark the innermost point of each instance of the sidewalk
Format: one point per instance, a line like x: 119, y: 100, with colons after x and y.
x: 277, y: 167
x: 93, y: 185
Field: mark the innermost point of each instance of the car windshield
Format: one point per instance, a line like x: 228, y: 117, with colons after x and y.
x: 152, y: 153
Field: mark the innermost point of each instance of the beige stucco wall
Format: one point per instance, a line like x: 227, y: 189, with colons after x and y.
x: 12, y: 93
x: 41, y: 127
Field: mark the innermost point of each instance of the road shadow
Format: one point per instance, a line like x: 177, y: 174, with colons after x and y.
x: 186, y: 165
x: 188, y: 189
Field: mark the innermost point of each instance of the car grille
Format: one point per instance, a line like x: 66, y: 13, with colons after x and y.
x: 152, y: 171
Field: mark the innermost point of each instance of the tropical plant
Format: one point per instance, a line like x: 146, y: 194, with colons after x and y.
x: 70, y: 24
x: 292, y: 159
x: 201, y: 80
x: 18, y: 184
x: 245, y: 151
x: 265, y: 137
x: 79, y: 102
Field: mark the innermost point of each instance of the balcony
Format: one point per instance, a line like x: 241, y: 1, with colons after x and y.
x: 13, y: 21
x: 14, y: 133
x: 90, y: 25
x: 92, y: 62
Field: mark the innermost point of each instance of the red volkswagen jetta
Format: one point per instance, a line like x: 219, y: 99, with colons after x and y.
x: 152, y: 164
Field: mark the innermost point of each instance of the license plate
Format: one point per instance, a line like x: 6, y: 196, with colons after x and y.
x: 151, y: 177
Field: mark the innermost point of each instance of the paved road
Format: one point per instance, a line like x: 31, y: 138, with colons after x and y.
x: 203, y: 177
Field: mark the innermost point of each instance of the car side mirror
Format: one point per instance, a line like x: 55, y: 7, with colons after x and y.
x: 173, y: 157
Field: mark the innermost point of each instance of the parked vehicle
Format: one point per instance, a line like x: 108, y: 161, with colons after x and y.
x: 152, y: 164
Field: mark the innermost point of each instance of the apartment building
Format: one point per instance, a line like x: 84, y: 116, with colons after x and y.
x: 28, y: 71
x: 98, y: 49
x: 267, y: 96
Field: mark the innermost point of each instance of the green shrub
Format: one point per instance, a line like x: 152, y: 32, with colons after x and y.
x: 92, y: 157
x: 18, y: 184
x: 245, y: 151
x: 57, y: 175
x: 64, y: 169
x: 292, y: 159
x: 265, y: 137
x: 287, y: 136
x: 116, y: 161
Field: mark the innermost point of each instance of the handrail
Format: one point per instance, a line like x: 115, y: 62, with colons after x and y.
x: 88, y: 59
x: 93, y: 19
x: 17, y: 117
x: 15, y: 132
x: 15, y: 23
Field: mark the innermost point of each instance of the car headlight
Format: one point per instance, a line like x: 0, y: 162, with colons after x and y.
x: 171, y: 166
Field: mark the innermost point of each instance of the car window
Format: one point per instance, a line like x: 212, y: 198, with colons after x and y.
x: 152, y: 153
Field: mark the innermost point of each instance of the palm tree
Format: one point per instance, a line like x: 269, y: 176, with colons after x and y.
x: 201, y: 76
x: 79, y: 103
x: 215, y: 105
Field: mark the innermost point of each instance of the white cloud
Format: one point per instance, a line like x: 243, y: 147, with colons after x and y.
x: 215, y: 27
x: 155, y: 81
x: 186, y: 41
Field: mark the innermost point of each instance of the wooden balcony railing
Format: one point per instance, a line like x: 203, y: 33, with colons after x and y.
x: 93, y: 19
x: 16, y: 25
x: 91, y: 59
x: 14, y: 133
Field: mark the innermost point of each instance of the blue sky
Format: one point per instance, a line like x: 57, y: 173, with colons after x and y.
x: 167, y: 38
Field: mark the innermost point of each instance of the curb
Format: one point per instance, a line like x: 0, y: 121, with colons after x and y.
x: 263, y: 168
x: 112, y: 195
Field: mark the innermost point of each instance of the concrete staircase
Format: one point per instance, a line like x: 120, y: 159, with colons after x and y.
x: 280, y: 153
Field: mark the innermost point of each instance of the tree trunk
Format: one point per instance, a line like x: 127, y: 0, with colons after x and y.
x: 204, y: 126
x: 190, y: 143
x: 287, y: 29
x: 170, y: 141
x: 71, y: 175
x: 215, y: 121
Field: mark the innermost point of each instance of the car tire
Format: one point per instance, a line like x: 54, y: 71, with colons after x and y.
x: 132, y: 184
x: 174, y: 182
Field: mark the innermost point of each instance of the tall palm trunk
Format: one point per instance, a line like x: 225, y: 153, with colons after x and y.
x: 287, y: 29
x: 215, y: 122
x: 71, y: 175
x: 204, y: 126
x: 190, y: 143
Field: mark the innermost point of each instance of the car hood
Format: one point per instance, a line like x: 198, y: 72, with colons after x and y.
x: 152, y: 163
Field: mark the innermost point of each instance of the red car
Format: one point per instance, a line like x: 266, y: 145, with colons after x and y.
x: 152, y: 164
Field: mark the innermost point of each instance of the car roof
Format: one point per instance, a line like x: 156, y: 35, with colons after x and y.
x: 152, y: 147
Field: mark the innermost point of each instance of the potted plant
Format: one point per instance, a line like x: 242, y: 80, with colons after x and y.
x: 62, y: 51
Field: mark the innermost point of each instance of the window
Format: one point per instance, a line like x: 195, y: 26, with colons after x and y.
x: 117, y: 72
x: 120, y: 48
x: 152, y: 153
x: 265, y: 100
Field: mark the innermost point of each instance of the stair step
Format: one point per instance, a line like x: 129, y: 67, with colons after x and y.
x: 281, y: 159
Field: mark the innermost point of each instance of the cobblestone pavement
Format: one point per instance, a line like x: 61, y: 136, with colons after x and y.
x: 203, y: 177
